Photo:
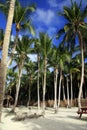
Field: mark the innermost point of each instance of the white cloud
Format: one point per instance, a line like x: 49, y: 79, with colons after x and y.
x: 47, y: 21
x: 44, y: 16
x: 33, y: 57
x: 51, y: 69
x: 20, y: 36
x: 12, y: 38
x: 53, y: 3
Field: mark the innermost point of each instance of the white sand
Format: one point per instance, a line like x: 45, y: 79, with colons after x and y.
x: 65, y: 119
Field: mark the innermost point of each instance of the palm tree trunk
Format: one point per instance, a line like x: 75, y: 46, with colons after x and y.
x: 17, y: 93
x: 59, y: 89
x: 82, y: 70
x: 44, y: 85
x: 71, y: 89
x: 3, y: 67
x: 64, y: 98
x: 67, y: 93
x: 38, y: 86
x: 55, y: 89
x: 29, y: 93
x: 18, y: 87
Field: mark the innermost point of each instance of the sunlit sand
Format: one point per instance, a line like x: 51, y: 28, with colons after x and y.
x: 65, y: 119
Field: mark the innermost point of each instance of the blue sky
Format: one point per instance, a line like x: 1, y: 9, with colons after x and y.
x: 45, y: 17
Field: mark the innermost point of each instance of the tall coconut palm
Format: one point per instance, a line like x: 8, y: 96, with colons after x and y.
x: 21, y: 15
x: 21, y: 20
x: 3, y: 67
x: 37, y: 51
x: 54, y: 62
x: 75, y: 21
x: 63, y: 58
x: 38, y: 85
x: 23, y: 49
x: 30, y: 76
x: 45, y: 43
x: 71, y: 68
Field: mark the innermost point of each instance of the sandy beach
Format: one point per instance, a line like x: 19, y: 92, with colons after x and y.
x: 65, y: 119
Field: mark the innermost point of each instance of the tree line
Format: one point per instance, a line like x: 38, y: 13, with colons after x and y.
x: 27, y: 80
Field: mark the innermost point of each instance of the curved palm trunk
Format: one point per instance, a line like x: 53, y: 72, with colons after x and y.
x: 59, y: 89
x: 3, y: 67
x: 82, y: 70
x: 71, y: 89
x: 44, y: 85
x: 38, y: 86
x: 18, y: 86
x: 55, y: 89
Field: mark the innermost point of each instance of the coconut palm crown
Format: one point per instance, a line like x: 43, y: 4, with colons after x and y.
x: 75, y: 16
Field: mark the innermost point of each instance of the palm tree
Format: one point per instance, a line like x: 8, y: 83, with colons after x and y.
x: 22, y: 17
x: 71, y: 68
x: 64, y: 57
x: 37, y: 51
x: 38, y: 85
x: 23, y: 49
x: 3, y: 67
x: 20, y: 20
x: 75, y: 21
x: 30, y: 76
x: 53, y: 61
x: 11, y: 80
x: 45, y: 45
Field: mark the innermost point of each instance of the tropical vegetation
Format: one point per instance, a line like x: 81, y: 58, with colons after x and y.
x: 58, y: 75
